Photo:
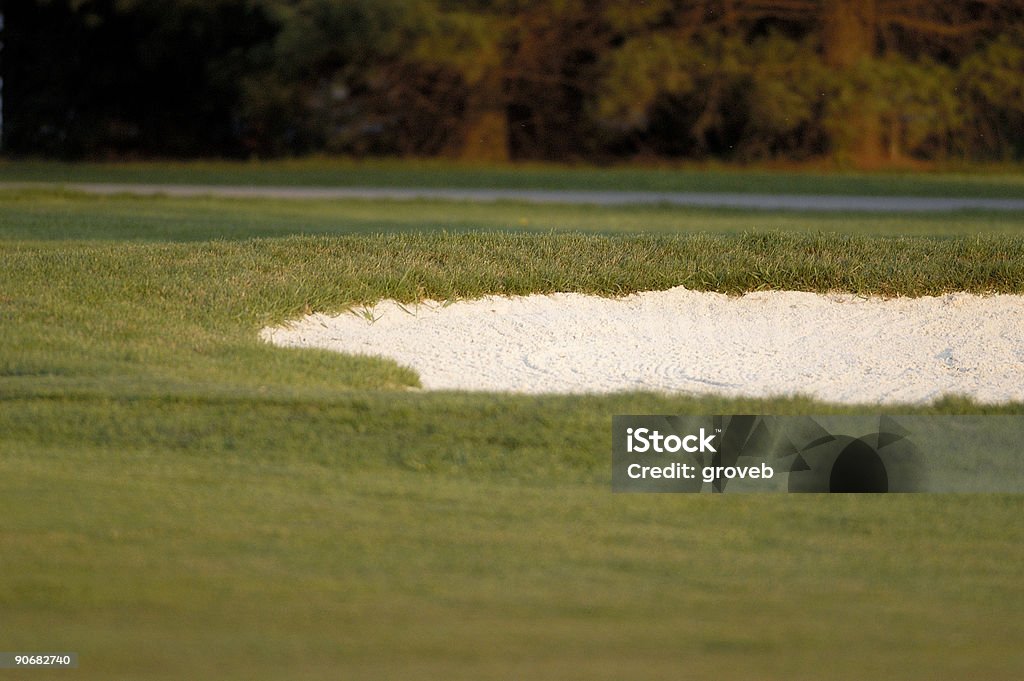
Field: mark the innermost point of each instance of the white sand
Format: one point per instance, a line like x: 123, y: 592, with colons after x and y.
x: 838, y: 348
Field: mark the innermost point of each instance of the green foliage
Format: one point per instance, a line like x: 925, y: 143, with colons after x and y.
x: 991, y: 79
x: 789, y: 103
x: 541, y: 79
x: 678, y: 93
x: 394, y: 77
x: 320, y: 36
x: 336, y: 68
x: 631, y: 18
x: 914, y: 102
x: 466, y: 42
x: 641, y: 71
x: 92, y: 78
x: 787, y: 92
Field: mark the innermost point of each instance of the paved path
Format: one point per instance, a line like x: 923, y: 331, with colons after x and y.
x: 886, y: 204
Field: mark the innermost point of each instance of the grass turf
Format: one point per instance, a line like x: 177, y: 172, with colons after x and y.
x: 36, y: 215
x: 995, y: 182
x: 179, y: 501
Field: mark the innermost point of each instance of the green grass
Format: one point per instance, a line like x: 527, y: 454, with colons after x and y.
x: 157, y: 564
x: 1002, y: 182
x: 38, y: 215
x: 178, y: 500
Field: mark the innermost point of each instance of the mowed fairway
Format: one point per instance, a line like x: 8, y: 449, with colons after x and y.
x: 179, y: 500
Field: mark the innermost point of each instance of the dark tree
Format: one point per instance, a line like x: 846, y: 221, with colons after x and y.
x: 113, y: 77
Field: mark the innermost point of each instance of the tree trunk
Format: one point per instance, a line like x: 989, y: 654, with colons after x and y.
x: 849, y: 32
x: 486, y: 136
x: 485, y: 123
x: 849, y: 35
x: 895, y: 138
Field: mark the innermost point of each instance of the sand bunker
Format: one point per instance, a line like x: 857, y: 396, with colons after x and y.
x: 837, y: 348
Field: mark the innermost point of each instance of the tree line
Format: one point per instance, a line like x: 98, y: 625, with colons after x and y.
x: 862, y: 81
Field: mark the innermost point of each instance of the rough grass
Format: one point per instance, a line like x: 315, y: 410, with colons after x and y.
x: 178, y: 500
x: 189, y: 313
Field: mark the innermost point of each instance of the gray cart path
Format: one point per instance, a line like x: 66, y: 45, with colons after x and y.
x: 801, y: 202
